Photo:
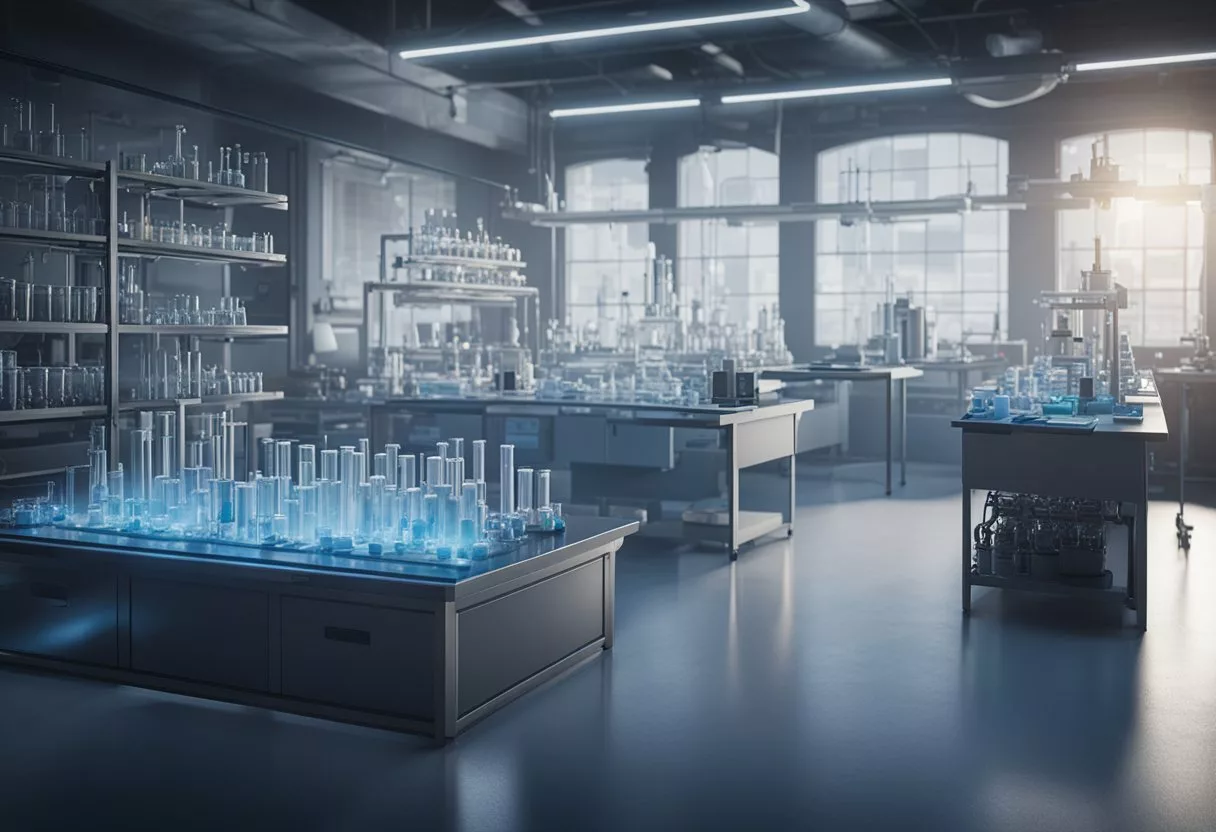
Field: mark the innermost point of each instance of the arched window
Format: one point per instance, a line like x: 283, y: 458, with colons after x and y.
x: 956, y: 264
x: 605, y: 261
x: 728, y: 268
x: 1155, y: 251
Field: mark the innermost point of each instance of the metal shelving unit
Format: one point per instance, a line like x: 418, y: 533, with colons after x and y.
x: 109, y: 247
x: 469, y: 263
x: 206, y: 333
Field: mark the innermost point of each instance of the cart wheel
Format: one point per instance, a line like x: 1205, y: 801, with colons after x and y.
x: 734, y: 554
x: 789, y: 532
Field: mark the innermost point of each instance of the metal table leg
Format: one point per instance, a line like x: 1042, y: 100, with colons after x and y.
x: 966, y: 549
x: 889, y: 430
x: 903, y: 431
x: 1180, y: 525
x: 732, y: 487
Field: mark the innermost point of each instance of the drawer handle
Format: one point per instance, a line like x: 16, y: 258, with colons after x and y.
x: 53, y: 594
x: 349, y: 636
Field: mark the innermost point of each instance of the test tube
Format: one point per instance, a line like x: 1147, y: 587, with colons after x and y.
x: 456, y: 446
x: 365, y: 449
x: 376, y: 485
x: 329, y: 466
x: 380, y: 466
x: 469, y: 533
x: 525, y: 494
x: 441, y: 450
x: 308, y: 495
x: 268, y: 498
x: 361, y: 461
x: 451, y: 520
x: 223, y: 499
x: 166, y: 434
x: 115, y: 495
x: 390, y: 513
x: 291, y: 509
x: 306, y: 469
x: 407, y: 472
x: 97, y: 479
x: 434, y: 472
x: 346, y: 495
x: 392, y: 454
x: 141, y: 456
x: 414, y: 511
x: 455, y: 475
x: 542, y: 487
x: 245, y: 498
x: 282, y: 465
x: 267, y: 457
x: 479, y: 467
x: 430, y: 516
x: 506, y: 463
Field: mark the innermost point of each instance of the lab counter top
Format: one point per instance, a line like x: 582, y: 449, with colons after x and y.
x: 693, y: 416
x: 840, y: 372
x: 1152, y: 429
x: 455, y: 581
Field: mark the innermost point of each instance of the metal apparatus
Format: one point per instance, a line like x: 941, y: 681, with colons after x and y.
x: 1084, y: 337
x: 421, y: 509
x: 1044, y: 539
x: 902, y: 330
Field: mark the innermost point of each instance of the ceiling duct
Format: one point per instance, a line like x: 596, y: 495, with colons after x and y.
x: 842, y: 41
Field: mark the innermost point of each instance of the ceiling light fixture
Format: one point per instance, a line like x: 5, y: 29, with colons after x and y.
x: 1130, y: 63
x: 823, y: 92
x: 790, y: 7
x: 636, y: 107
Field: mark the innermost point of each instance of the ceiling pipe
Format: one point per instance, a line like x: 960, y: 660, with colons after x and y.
x: 843, y: 42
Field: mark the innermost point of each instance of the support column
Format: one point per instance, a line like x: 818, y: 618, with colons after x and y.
x: 796, y: 269
x: 1033, y: 258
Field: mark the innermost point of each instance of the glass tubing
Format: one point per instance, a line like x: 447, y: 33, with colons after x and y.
x: 422, y: 503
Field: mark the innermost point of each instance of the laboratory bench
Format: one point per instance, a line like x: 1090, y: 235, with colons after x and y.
x: 1109, y: 463
x: 629, y: 452
x: 381, y: 641
x: 892, y: 378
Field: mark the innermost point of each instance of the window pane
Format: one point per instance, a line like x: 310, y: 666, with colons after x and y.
x: 923, y: 257
x: 736, y: 266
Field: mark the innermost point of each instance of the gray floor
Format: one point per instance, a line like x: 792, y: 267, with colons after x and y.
x: 831, y: 683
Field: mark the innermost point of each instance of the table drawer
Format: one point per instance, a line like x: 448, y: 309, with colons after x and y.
x: 201, y: 632
x: 365, y: 657
x: 60, y: 613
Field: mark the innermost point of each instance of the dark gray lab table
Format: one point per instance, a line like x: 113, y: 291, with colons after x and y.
x: 1109, y: 463
x: 753, y: 436
x: 376, y: 641
x: 888, y: 375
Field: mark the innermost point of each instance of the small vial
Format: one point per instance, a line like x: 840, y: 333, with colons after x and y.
x: 306, y: 469
x: 392, y: 456
x: 525, y: 494
x: 434, y: 471
x: 407, y: 472
x: 380, y: 466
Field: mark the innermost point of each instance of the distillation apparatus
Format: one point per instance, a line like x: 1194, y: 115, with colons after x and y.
x: 420, y: 508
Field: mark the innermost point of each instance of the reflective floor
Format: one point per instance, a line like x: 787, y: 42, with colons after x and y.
x: 828, y: 683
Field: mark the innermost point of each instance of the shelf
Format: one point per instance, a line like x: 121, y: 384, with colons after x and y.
x: 1059, y: 586
x: 52, y: 239
x: 51, y: 328
x: 204, y: 194
x: 474, y: 263
x: 11, y: 417
x: 198, y: 254
x: 231, y: 400
x: 221, y: 333
x: 72, y: 167
x: 439, y: 291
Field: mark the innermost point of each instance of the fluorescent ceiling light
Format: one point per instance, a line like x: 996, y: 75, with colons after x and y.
x: 787, y: 8
x: 1129, y: 63
x: 636, y: 107
x: 823, y: 92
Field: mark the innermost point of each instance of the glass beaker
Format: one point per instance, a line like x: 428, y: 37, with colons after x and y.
x: 35, y: 388
x: 40, y: 303
x: 21, y: 301
x: 10, y: 389
x: 8, y: 298
x: 56, y: 387
x: 61, y: 303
